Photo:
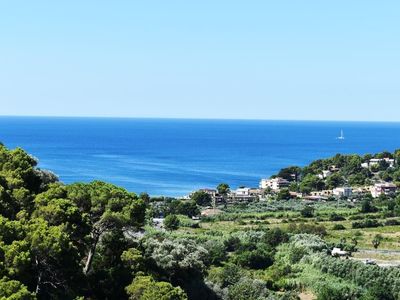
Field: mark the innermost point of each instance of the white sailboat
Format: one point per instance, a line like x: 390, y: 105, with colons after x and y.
x: 341, y: 137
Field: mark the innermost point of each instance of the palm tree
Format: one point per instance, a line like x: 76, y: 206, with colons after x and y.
x: 223, y: 189
x: 377, y: 241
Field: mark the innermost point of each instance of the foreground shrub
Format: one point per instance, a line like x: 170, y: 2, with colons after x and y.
x: 332, y: 292
x: 146, y: 288
x: 13, y: 289
x: 248, y: 289
x: 178, y: 257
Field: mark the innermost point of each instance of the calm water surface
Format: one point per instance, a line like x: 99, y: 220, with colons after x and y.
x: 173, y: 157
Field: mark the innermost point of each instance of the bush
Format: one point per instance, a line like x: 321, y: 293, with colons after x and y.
x: 367, y: 223
x: 216, y: 251
x: 331, y: 292
x: 367, y: 207
x: 392, y: 222
x: 283, y: 194
x: 338, y: 227
x: 201, y: 198
x: 171, y: 222
x: 180, y: 258
x: 187, y: 222
x: 362, y: 217
x: 307, y: 212
x: 144, y: 287
x: 260, y: 258
x: 275, y: 236
x: 335, y: 217
x: 232, y: 243
x: 248, y: 289
x: 230, y: 275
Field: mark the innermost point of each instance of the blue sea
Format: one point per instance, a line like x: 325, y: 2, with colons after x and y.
x: 175, y: 156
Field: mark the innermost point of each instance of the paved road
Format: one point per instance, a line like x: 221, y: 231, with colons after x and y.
x: 380, y: 251
x: 381, y: 262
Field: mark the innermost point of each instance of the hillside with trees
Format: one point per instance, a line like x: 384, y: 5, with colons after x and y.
x: 351, y: 170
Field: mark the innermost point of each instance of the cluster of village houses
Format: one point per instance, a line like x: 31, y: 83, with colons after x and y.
x: 274, y: 185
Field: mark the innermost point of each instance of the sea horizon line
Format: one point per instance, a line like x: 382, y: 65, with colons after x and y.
x: 196, y: 119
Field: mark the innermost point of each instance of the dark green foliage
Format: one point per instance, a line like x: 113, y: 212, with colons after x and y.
x: 367, y: 223
x: 108, y: 268
x: 259, y: 258
x: 275, y: 236
x: 367, y: 207
x: 377, y: 241
x: 232, y: 243
x: 392, y: 222
x: 338, y: 227
x: 391, y: 205
x: 291, y: 173
x: 335, y: 217
x: 177, y: 207
x: 359, y: 178
x: 345, y: 169
x: 311, y: 183
x: 377, y: 290
x: 145, y: 197
x: 334, y: 181
x: 307, y: 212
x: 283, y: 194
x: 62, y: 241
x: 201, y: 198
x: 171, y: 222
x: 20, y: 181
x: 231, y: 274
x: 188, y: 208
x: 216, y: 251
x: 223, y: 188
x: 329, y: 292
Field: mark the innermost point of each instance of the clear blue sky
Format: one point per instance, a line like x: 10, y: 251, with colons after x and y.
x: 332, y: 60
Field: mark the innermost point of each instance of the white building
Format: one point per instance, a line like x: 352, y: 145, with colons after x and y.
x: 325, y: 174
x: 343, y: 191
x: 377, y: 161
x: 211, y: 192
x: 365, y: 165
x: 243, y: 194
x: 275, y: 184
x: 244, y: 191
x: 384, y: 188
